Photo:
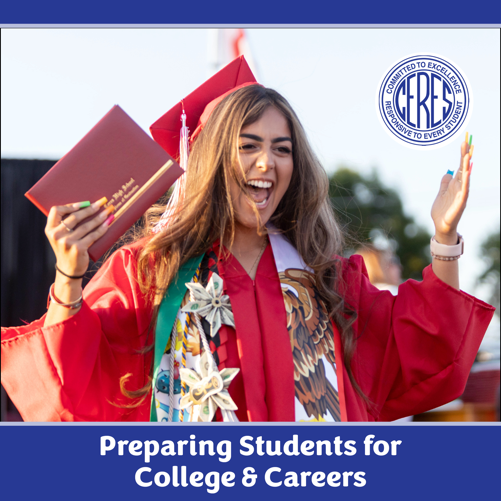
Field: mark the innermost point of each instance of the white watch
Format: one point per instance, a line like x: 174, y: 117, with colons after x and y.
x: 447, y: 252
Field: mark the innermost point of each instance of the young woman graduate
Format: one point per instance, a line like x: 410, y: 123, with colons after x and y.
x: 273, y: 325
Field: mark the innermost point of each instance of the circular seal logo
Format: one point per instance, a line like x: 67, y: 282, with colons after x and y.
x: 423, y: 101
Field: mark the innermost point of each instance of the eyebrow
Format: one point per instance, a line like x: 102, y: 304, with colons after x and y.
x: 260, y: 139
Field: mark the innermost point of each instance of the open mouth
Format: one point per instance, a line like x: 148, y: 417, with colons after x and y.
x: 260, y: 191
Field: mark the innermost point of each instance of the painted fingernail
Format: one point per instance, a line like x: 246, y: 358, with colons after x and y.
x: 451, y: 172
x: 109, y: 209
x: 471, y: 150
x: 100, y: 202
x: 471, y: 166
x: 109, y: 220
x: 81, y: 205
x: 471, y: 138
x: 466, y: 137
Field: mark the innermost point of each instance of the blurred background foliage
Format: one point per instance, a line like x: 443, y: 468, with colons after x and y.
x: 371, y: 212
x: 490, y: 254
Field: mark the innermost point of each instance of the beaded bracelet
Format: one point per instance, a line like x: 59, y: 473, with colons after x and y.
x: 445, y: 258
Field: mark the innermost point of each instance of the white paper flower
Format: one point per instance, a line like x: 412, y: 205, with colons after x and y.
x: 211, y: 304
x: 208, y: 390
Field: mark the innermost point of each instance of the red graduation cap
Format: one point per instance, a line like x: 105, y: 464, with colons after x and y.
x: 199, y: 104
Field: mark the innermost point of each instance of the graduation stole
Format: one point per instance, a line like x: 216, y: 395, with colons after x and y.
x: 166, y: 317
x: 315, y: 349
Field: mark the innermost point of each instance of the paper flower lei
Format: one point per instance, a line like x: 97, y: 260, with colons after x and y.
x: 209, y: 390
x: 210, y: 303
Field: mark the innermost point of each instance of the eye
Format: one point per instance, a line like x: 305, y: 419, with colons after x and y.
x: 247, y: 146
x: 284, y: 149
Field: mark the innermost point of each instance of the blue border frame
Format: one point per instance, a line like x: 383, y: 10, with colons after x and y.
x: 60, y: 459
x: 66, y: 461
x: 220, y: 12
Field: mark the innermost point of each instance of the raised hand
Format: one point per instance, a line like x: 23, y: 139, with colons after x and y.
x: 452, y: 197
x: 71, y: 245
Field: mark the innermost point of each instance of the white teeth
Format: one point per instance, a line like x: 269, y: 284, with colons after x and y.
x: 260, y: 184
x: 260, y: 204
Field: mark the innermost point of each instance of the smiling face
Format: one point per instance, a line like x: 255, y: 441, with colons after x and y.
x: 265, y: 150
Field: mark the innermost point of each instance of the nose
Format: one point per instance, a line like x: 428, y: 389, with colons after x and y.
x: 266, y: 161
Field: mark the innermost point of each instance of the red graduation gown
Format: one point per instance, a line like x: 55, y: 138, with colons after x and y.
x: 414, y: 351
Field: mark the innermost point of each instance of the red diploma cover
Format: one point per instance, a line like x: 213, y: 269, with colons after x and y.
x: 116, y: 160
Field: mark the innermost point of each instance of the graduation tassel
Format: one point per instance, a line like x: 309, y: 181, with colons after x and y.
x: 179, y: 188
x: 184, y: 145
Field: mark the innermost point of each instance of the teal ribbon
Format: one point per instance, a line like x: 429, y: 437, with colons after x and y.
x: 166, y: 317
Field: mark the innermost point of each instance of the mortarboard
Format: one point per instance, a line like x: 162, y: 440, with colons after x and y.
x: 200, y: 104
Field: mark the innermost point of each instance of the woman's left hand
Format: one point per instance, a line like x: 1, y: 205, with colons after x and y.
x: 451, y: 199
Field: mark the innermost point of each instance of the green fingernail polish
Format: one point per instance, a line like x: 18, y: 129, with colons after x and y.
x: 84, y: 204
x: 471, y: 137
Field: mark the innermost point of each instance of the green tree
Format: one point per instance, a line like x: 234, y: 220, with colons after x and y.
x: 373, y: 213
x: 489, y: 250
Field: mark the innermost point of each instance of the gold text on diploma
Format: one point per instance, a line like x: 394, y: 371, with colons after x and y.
x: 145, y: 186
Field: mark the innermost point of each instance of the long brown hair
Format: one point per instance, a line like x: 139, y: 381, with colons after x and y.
x: 304, y: 215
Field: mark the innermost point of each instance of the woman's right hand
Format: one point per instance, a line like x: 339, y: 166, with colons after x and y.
x: 71, y: 248
x: 71, y: 245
